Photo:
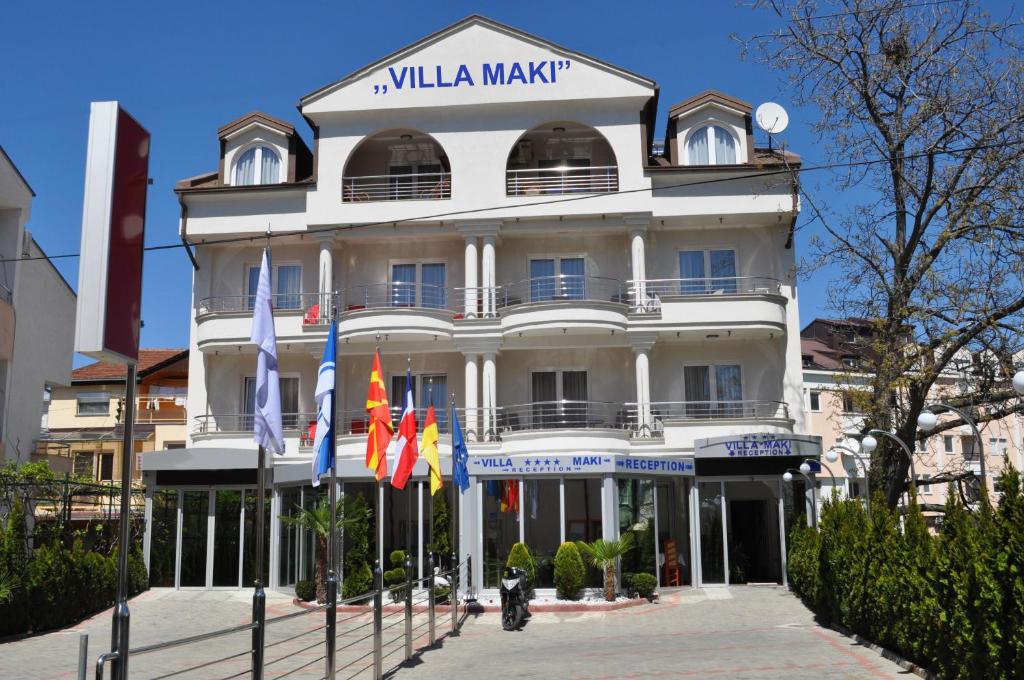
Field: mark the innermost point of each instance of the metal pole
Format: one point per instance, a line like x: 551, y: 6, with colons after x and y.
x: 259, y: 598
x: 378, y: 585
x: 430, y: 599
x: 864, y: 468
x: 454, y: 595
x: 408, y: 607
x: 977, y: 438
x: 83, y: 655
x: 906, y: 450
x: 332, y: 574
x: 814, y: 500
x: 121, y: 617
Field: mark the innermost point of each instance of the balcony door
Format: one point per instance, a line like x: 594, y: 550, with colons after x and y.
x: 568, y: 284
x: 418, y: 284
x: 704, y: 272
x: 559, y: 398
x: 289, y: 402
x: 712, y: 390
x: 427, y: 388
x: 286, y: 284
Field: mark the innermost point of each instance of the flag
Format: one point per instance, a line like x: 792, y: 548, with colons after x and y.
x: 267, y: 429
x: 510, y: 497
x: 323, y: 441
x: 429, y: 448
x: 406, y: 452
x: 380, y: 429
x: 460, y: 456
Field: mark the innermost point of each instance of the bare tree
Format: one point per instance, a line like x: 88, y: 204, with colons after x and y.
x: 922, y: 119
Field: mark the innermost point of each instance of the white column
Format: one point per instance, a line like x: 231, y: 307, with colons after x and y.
x: 471, y: 277
x: 489, y: 394
x: 326, y: 274
x: 487, y: 267
x: 472, y: 425
x: 638, y: 250
x: 641, y: 350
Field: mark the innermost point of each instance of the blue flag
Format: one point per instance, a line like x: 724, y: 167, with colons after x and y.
x: 460, y: 456
x: 323, y: 442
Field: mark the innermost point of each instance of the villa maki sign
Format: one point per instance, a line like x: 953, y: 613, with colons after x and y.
x: 487, y: 74
x: 758, y: 445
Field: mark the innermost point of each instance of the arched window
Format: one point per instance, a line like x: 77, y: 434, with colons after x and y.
x: 397, y: 165
x: 561, y: 157
x: 711, y: 145
x: 258, y: 165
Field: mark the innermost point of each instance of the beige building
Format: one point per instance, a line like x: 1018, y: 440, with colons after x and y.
x: 84, y: 422
x: 831, y: 358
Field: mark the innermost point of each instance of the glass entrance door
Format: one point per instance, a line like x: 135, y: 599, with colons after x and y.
x: 711, y: 510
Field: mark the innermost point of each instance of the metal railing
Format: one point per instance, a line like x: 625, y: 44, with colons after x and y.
x: 645, y: 296
x: 316, y: 307
x: 549, y: 415
x: 6, y: 295
x: 562, y: 180
x: 243, y: 422
x: 717, y: 410
x: 396, y: 294
x: 559, y: 288
x: 155, y: 410
x: 423, y: 186
x: 360, y: 636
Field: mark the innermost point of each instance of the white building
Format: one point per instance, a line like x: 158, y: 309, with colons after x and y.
x: 486, y: 208
x: 37, y: 320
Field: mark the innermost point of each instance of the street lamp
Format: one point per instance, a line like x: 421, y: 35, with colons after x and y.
x: 1018, y: 383
x: 869, y: 444
x: 832, y: 456
x: 787, y: 476
x: 808, y: 461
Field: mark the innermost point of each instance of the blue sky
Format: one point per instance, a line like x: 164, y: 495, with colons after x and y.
x: 184, y: 69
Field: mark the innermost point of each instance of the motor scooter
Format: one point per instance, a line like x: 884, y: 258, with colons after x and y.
x: 514, y: 603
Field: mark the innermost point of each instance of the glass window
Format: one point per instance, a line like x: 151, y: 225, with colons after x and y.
x: 673, y: 532
x: 711, y: 145
x: 289, y: 402
x: 559, y: 398
x: 249, y: 542
x: 106, y: 467
x: 195, y: 508
x: 695, y: 265
x: 723, y: 271
x: 288, y: 279
x: 815, y: 400
x: 258, y: 165
x: 93, y: 404
x: 291, y: 502
x: 725, y: 147
x: 83, y: 465
x: 947, y: 443
x: 500, y: 526
x: 434, y: 390
x: 541, y: 498
x: 573, y: 281
x: 712, y: 555
x: 542, y: 280
x: 636, y: 515
x: 433, y: 293
x: 163, y: 537
x: 403, y: 285
x: 226, y: 523
x: 706, y: 387
x: 418, y: 284
x: 697, y: 148
x: 583, y: 518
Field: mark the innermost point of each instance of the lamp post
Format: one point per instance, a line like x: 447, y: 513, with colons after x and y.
x: 787, y: 476
x: 808, y: 461
x: 869, y: 444
x: 832, y: 456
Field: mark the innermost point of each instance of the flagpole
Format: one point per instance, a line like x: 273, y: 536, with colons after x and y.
x: 259, y: 597
x: 408, y: 492
x: 332, y: 576
x: 454, y: 508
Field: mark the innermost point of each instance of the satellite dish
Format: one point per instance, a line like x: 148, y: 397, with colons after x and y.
x: 771, y: 118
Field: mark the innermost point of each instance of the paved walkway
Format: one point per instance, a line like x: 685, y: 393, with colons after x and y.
x: 744, y: 632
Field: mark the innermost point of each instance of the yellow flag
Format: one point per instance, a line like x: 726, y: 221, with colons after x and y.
x: 429, y: 449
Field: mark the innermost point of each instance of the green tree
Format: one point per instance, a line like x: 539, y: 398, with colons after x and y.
x: 318, y: 521
x: 603, y: 554
x: 358, y: 574
x: 441, y: 529
x: 569, y: 571
x: 520, y: 556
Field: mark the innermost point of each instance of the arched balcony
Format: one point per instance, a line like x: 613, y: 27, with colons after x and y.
x: 561, y: 158
x: 397, y: 165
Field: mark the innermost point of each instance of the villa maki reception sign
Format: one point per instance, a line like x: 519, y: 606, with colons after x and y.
x: 758, y: 445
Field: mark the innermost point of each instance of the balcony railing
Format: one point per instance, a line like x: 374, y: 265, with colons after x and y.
x: 396, y: 294
x: 565, y: 287
x: 562, y: 180
x: 549, y: 415
x: 425, y: 186
x: 717, y: 410
x: 6, y: 295
x: 243, y: 422
x: 157, y: 410
x: 317, y: 308
x: 645, y: 296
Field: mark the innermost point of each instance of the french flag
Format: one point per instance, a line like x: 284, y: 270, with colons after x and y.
x: 405, y: 447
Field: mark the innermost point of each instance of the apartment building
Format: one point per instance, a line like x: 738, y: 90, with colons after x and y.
x: 833, y: 362
x: 614, y: 319
x: 84, y: 421
x: 37, y: 320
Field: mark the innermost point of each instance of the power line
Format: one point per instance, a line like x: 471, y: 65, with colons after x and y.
x: 556, y: 201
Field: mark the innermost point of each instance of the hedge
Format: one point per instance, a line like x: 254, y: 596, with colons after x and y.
x: 952, y: 602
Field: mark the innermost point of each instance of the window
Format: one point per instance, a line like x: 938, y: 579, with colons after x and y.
x: 997, y: 446
x: 286, y: 280
x: 289, y: 403
x: 427, y: 388
x: 706, y: 272
x: 418, y: 284
x: 93, y: 404
x: 850, y: 362
x: 83, y: 466
x: 559, y: 398
x: 568, y: 284
x: 947, y: 443
x: 711, y: 145
x: 712, y: 391
x: 174, y: 445
x: 106, y: 467
x: 815, y: 400
x: 848, y: 403
x: 258, y: 165
x: 967, y: 445
x: 923, y: 488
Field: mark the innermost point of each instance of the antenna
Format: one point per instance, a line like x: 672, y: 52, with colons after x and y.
x: 771, y: 118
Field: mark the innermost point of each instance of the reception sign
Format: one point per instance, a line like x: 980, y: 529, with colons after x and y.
x: 758, y: 445
x: 556, y: 464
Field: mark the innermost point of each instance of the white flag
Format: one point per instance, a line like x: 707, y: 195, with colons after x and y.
x: 267, y: 429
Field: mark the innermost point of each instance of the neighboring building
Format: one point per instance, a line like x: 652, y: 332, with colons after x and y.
x: 833, y: 352
x: 37, y: 321
x: 85, y: 421
x: 489, y: 209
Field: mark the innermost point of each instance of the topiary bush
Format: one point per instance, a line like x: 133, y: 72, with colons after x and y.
x: 569, y: 571
x: 645, y: 584
x: 305, y: 590
x: 396, y: 575
x: 521, y: 557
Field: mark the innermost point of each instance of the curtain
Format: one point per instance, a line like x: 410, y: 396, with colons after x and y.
x: 543, y: 389
x: 573, y: 279
x: 696, y: 390
x: 723, y: 270
x: 269, y: 166
x: 729, y: 388
x: 433, y: 294
x: 254, y: 283
x: 725, y: 147
x: 290, y: 403
x: 574, y: 389
x: 245, y: 168
x: 403, y: 285
x: 697, y: 147
x: 542, y: 283
x: 289, y: 286
x: 691, y: 271
x: 434, y: 388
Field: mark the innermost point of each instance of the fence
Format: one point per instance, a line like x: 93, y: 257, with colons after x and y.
x: 365, y: 642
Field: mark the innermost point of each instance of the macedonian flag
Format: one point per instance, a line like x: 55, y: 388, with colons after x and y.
x: 381, y: 429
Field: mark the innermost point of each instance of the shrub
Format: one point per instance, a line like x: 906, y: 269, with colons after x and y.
x: 569, y: 571
x: 627, y: 584
x: 520, y: 557
x: 305, y: 590
x: 357, y: 582
x: 358, y: 575
x: 645, y: 584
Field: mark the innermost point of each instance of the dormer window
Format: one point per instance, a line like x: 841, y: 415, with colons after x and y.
x: 258, y: 165
x: 711, y: 145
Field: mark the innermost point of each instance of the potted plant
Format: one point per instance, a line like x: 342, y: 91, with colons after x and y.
x: 602, y: 554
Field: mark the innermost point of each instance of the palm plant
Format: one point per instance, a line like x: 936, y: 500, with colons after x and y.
x: 8, y: 584
x: 318, y: 520
x: 602, y: 554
